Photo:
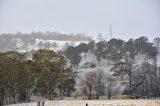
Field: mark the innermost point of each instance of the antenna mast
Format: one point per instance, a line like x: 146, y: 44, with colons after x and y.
x: 110, y: 31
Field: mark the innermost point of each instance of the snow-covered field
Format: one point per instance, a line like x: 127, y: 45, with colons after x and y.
x: 97, y: 103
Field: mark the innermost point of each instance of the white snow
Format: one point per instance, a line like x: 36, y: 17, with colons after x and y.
x: 60, y: 44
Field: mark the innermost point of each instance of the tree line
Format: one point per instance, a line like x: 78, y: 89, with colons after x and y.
x: 19, y: 40
x: 45, y: 75
x: 135, y: 62
x: 134, y: 65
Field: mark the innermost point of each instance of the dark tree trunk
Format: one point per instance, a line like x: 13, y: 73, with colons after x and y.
x: 90, y: 93
x: 0, y: 102
x: 121, y: 77
x: 156, y: 76
x: 98, y: 90
x: 130, y: 80
x: 49, y: 95
x: 109, y: 95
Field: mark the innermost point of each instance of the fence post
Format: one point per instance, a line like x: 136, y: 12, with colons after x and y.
x: 38, y: 103
x: 42, y: 103
x: 86, y: 104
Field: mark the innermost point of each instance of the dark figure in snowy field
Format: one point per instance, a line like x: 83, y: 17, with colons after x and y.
x: 86, y: 104
x: 40, y: 103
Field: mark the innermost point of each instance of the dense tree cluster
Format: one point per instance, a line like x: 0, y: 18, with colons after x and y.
x: 139, y: 78
x: 44, y: 75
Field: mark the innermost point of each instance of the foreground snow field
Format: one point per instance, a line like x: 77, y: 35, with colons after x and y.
x: 96, y: 103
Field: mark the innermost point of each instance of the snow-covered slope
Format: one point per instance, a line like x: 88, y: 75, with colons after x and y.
x: 60, y: 44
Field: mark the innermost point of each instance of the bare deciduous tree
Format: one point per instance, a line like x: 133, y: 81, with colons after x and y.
x: 98, y: 83
x: 111, y: 86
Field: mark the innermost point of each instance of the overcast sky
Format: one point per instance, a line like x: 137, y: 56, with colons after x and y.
x: 129, y: 18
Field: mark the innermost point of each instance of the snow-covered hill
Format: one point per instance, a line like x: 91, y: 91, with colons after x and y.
x: 60, y: 45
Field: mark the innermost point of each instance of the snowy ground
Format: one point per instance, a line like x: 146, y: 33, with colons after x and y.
x: 124, y: 102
